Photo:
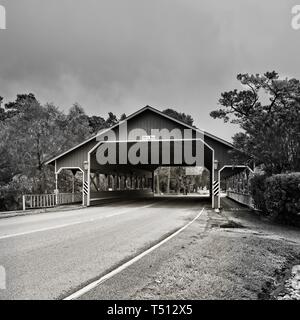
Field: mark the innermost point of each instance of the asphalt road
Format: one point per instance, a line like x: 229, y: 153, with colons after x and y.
x: 234, y: 254
x: 51, y: 255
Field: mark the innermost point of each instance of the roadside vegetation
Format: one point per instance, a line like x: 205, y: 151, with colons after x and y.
x: 176, y: 180
x: 31, y: 133
x: 267, y: 109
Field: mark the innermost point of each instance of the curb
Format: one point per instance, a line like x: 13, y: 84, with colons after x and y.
x: 11, y: 214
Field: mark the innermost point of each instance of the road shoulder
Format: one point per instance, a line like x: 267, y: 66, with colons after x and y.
x: 212, y: 259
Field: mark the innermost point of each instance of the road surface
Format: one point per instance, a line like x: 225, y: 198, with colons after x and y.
x: 51, y: 255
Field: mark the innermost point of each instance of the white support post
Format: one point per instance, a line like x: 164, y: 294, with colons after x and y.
x: 73, y: 188
x: 56, y: 188
x: 89, y: 180
x: 83, y: 195
x: 212, y: 180
x: 24, y: 202
x: 219, y: 196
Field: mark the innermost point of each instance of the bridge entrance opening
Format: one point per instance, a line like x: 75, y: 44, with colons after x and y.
x: 172, y: 181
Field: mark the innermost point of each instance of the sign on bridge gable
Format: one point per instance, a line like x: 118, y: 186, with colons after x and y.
x: 193, y: 171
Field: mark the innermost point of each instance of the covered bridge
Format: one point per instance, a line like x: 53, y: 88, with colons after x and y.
x: 145, y: 127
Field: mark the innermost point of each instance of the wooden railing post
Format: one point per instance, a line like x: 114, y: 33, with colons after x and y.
x: 24, y: 202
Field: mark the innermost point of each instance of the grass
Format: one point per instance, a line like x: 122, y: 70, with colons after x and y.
x: 220, y: 263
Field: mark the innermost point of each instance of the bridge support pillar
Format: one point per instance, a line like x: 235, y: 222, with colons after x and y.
x: 56, y: 188
x: 216, y: 191
x: 85, y: 189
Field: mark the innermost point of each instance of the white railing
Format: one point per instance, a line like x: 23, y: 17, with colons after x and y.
x: 66, y: 198
x: 35, y: 201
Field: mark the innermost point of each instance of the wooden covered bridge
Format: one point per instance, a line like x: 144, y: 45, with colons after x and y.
x: 123, y: 178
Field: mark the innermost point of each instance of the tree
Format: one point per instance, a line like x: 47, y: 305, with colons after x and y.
x: 27, y: 139
x: 96, y: 124
x: 2, y: 110
x: 111, y: 120
x: 268, y: 112
x: 77, y: 127
x: 123, y: 117
x: 29, y: 136
x: 22, y: 104
x: 186, y: 118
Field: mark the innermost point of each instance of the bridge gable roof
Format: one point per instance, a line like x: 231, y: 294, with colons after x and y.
x: 138, y: 114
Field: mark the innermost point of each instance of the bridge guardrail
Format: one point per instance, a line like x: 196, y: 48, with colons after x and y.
x: 36, y: 201
x: 242, y: 198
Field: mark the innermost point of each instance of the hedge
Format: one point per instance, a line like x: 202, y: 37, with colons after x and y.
x: 282, y: 197
x: 257, y: 190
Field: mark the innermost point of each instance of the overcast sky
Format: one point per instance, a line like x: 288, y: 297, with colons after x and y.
x: 120, y: 55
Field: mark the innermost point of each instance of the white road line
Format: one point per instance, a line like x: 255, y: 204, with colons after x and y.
x: 73, y: 223
x: 109, y: 275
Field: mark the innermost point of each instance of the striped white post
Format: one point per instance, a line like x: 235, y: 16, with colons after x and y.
x: 216, y: 193
x: 216, y: 188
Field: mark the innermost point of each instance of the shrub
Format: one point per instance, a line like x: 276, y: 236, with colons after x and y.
x: 282, y: 197
x: 257, y: 190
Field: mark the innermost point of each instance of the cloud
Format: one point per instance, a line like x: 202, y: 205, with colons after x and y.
x: 119, y: 55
